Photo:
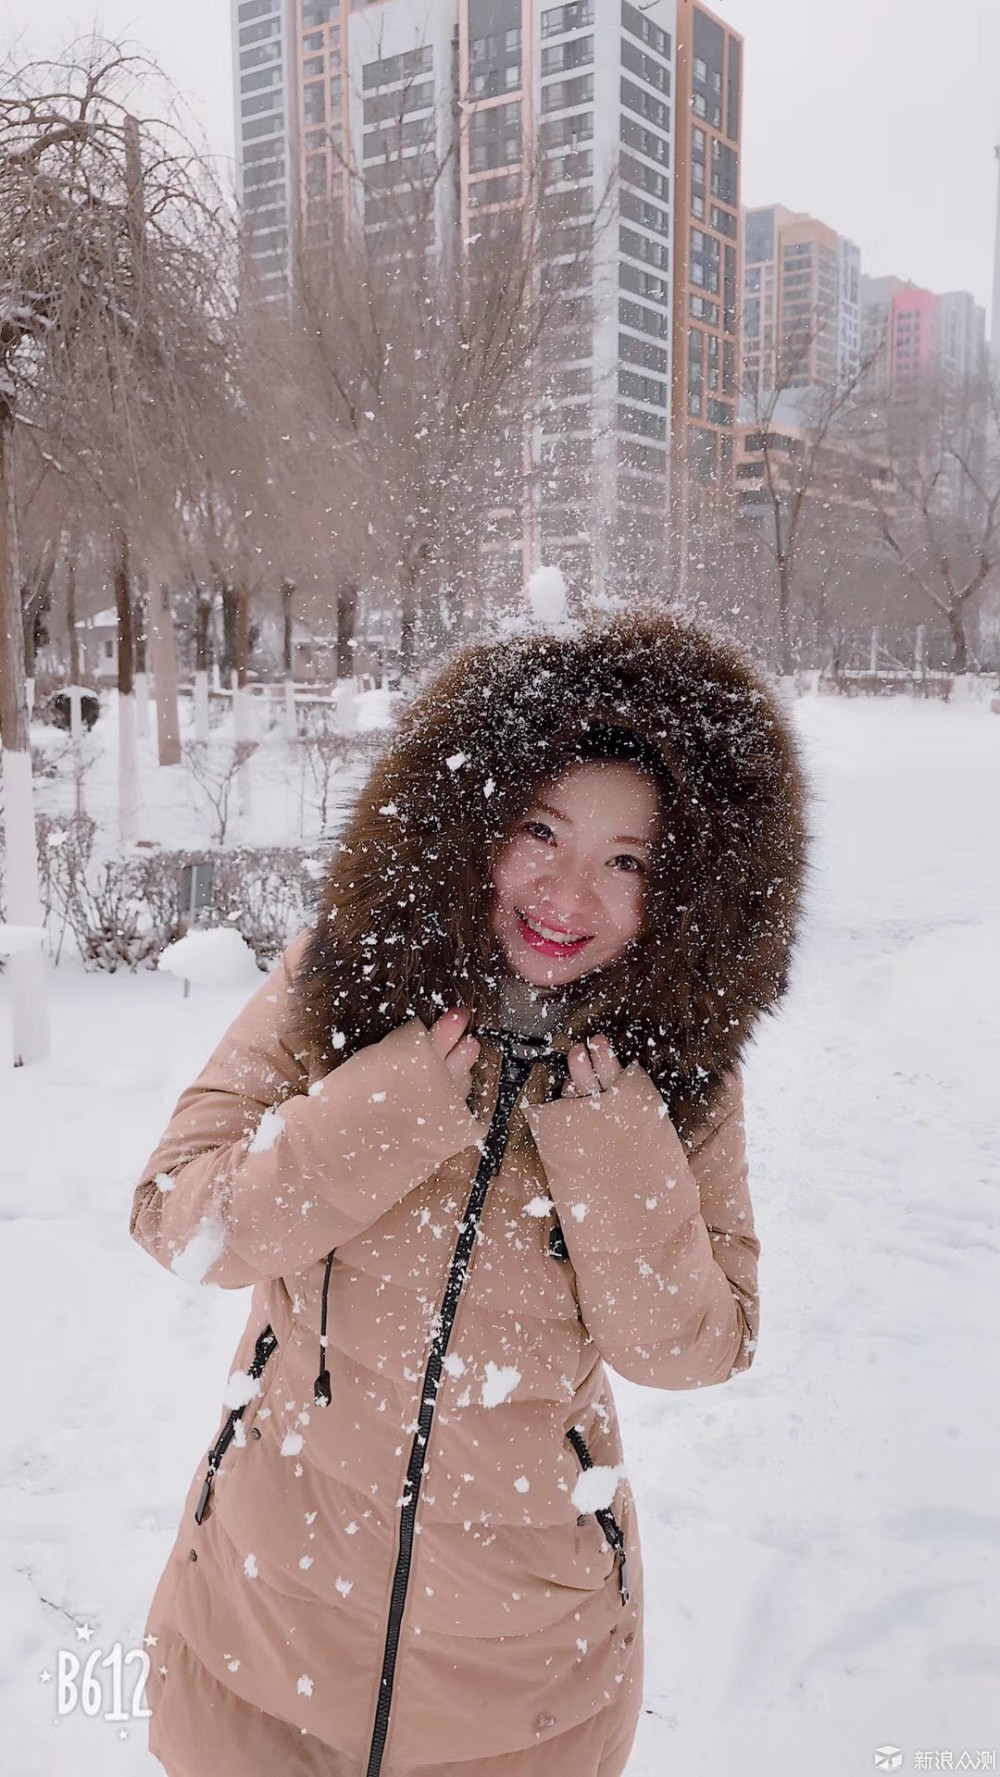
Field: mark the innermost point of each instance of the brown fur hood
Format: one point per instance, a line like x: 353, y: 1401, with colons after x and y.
x: 403, y: 927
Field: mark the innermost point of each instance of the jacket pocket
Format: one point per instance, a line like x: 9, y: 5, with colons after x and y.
x: 613, y: 1533
x: 265, y: 1345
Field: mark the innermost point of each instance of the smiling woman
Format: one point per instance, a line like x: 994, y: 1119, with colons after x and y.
x: 569, y: 883
x: 580, y: 854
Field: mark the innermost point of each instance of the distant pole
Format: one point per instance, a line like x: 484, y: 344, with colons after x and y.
x: 995, y: 312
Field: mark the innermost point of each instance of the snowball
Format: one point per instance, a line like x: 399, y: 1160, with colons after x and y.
x: 220, y: 957
x: 250, y: 1567
x: 522, y: 1484
x: 547, y: 595
x: 291, y: 1443
x: 454, y: 1365
x: 305, y: 1686
x: 206, y: 1244
x: 163, y: 1181
x: 578, y: 1211
x: 344, y: 1586
x: 499, y: 1383
x: 539, y: 1206
x: 240, y: 1389
x: 596, y: 1488
x: 456, y: 760
x: 267, y: 1132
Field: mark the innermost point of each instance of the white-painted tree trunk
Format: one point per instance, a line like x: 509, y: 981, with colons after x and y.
x: 128, y: 777
x: 142, y: 705
x: 29, y: 696
x: 201, y: 724
x: 243, y: 715
x: 291, y: 727
x: 346, y: 716
x: 26, y: 973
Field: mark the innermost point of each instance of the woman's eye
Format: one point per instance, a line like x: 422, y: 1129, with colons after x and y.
x: 635, y: 864
x: 545, y: 832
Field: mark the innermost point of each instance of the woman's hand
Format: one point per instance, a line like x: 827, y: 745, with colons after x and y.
x: 593, y: 1067
x: 457, y: 1051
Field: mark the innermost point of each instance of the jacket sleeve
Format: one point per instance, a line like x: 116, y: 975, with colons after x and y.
x: 662, y: 1240
x: 256, y: 1177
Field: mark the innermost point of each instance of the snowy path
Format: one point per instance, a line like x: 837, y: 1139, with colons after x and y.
x: 822, y: 1536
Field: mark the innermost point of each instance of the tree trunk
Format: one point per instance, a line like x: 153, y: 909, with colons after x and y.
x: 288, y: 654
x: 230, y: 620
x: 128, y: 792
x: 141, y: 626
x: 347, y: 622
x: 784, y: 617
x: 202, y: 661
x: 74, y: 639
x: 168, y: 727
x: 959, y: 643
x: 242, y: 712
x: 26, y: 972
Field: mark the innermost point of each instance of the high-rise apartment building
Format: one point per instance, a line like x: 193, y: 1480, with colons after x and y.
x: 801, y: 303
x: 634, y: 113
x: 908, y: 331
x: 267, y: 141
x: 707, y: 253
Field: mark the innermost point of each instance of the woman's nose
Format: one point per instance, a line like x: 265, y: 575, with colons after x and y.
x: 567, y: 898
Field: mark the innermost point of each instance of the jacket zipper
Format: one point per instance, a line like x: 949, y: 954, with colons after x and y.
x: 266, y: 1343
x: 518, y: 1057
x: 613, y: 1532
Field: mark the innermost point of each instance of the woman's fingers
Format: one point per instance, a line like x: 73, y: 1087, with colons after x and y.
x: 447, y: 1030
x: 593, y: 1067
x: 605, y: 1062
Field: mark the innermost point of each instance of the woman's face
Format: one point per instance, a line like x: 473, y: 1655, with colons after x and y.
x: 569, y: 884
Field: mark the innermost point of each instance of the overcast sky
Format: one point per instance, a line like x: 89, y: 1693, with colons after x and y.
x: 878, y: 116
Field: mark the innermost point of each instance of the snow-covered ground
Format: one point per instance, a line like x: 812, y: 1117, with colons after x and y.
x: 821, y: 1536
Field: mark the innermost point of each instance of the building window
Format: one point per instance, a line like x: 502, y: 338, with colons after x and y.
x: 653, y: 73
x: 559, y: 19
x: 643, y: 28
x: 577, y: 52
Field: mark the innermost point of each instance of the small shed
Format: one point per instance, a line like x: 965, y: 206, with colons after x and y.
x: 99, y: 643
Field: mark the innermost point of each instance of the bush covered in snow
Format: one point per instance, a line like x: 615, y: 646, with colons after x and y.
x: 122, y: 911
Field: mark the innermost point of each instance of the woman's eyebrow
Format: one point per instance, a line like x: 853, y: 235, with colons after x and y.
x: 618, y: 838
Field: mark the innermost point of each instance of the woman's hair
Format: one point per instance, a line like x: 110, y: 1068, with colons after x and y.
x: 403, y: 928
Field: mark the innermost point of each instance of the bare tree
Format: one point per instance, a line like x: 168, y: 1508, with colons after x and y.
x: 818, y: 473
x: 416, y: 358
x: 941, y: 522
x: 120, y: 267
x: 216, y: 773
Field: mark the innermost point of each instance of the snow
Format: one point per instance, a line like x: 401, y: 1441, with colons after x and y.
x: 499, y: 1383
x: 547, y: 596
x: 267, y: 1132
x: 820, y: 1536
x: 218, y: 957
x: 16, y: 940
x: 240, y: 1389
x: 596, y: 1488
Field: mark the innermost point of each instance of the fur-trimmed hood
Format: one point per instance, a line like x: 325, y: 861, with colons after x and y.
x: 403, y: 927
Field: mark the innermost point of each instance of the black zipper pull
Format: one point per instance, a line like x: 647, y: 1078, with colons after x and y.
x: 321, y: 1387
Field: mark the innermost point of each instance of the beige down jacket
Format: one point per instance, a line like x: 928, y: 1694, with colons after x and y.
x: 331, y: 1608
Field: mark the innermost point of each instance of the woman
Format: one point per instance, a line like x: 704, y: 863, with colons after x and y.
x: 479, y: 1131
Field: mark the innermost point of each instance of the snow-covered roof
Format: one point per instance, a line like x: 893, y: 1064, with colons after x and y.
x: 101, y: 620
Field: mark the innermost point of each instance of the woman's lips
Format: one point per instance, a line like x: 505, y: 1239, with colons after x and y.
x: 547, y: 946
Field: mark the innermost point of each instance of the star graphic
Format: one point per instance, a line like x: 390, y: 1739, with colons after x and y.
x: 84, y: 1632
x: 123, y: 1733
x: 149, y: 1641
x: 46, y: 1677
